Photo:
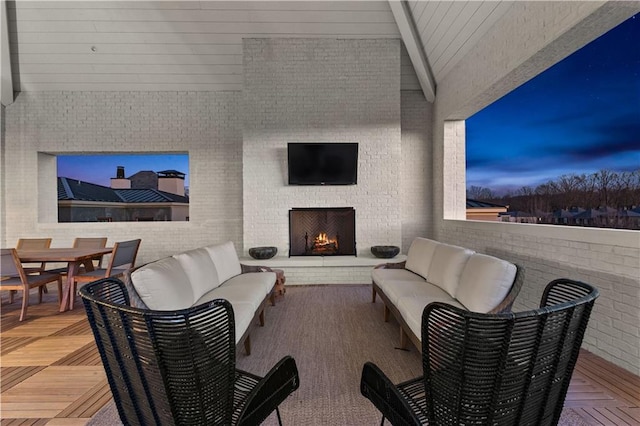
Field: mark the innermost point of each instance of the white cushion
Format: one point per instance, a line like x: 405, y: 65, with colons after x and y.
x: 226, y: 260
x: 414, y: 289
x: 485, y: 282
x: 199, y: 267
x: 388, y: 277
x: 420, y: 255
x: 446, y: 266
x: 243, y: 313
x: 163, y: 285
x: 245, y: 293
x: 259, y: 282
x: 411, y: 309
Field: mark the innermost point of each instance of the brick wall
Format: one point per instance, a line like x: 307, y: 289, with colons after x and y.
x: 209, y: 127
x: 319, y: 90
x: 206, y: 125
x: 416, y: 171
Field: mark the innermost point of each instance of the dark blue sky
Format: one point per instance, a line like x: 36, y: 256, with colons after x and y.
x: 580, y: 116
x: 101, y: 168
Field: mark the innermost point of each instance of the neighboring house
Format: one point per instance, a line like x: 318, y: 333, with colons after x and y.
x: 519, y: 217
x: 482, y: 210
x: 80, y: 201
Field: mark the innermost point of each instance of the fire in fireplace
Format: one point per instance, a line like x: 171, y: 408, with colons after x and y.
x: 322, y: 231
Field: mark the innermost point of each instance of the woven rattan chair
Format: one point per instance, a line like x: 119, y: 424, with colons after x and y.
x: 490, y: 369
x: 178, y: 367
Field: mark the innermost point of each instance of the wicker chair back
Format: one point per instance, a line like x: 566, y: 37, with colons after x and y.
x: 178, y: 367
x: 493, y: 369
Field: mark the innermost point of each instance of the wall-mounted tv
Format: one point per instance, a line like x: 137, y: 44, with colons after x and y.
x: 316, y: 163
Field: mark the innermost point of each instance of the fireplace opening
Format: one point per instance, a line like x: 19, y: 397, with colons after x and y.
x: 327, y: 231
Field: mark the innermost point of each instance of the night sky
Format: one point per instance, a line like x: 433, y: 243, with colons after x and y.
x: 101, y: 168
x: 580, y: 116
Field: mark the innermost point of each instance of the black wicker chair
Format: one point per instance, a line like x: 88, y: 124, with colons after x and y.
x: 178, y: 367
x: 490, y: 369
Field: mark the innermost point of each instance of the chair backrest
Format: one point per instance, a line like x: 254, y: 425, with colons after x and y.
x: 164, y: 367
x: 33, y: 243
x: 509, y: 368
x: 90, y: 242
x: 123, y: 256
x: 10, y: 265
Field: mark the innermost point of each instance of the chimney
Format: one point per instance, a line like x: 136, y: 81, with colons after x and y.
x: 171, y: 181
x: 120, y: 182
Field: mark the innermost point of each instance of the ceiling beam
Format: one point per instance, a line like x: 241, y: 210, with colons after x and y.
x: 411, y: 40
x: 6, y: 78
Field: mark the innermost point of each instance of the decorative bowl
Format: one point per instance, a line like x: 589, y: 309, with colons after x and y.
x: 263, y: 252
x: 385, y: 252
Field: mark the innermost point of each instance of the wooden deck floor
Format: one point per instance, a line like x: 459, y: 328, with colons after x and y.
x: 51, y: 373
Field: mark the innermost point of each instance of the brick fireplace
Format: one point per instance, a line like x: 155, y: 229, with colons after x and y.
x: 327, y: 231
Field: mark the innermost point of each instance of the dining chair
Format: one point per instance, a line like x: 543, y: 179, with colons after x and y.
x: 505, y: 369
x: 179, y: 367
x: 123, y: 257
x: 33, y: 244
x: 91, y: 242
x: 85, y: 242
x: 14, y: 278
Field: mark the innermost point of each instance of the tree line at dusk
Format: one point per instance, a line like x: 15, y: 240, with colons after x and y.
x: 604, y: 190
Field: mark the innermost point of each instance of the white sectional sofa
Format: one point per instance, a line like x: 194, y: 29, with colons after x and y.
x: 438, y: 272
x: 199, y: 276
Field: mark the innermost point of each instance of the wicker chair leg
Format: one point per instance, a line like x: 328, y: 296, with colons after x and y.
x: 373, y: 294
x: 382, y: 421
x: 278, y: 414
x: 387, y: 311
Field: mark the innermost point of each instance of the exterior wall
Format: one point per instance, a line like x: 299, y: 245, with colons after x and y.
x: 416, y: 171
x: 531, y: 37
x: 322, y: 90
x: 206, y: 125
x: 209, y: 127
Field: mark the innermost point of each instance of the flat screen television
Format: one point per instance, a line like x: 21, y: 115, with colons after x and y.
x: 317, y: 163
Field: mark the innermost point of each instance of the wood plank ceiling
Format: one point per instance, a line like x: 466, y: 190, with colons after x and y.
x: 197, y: 45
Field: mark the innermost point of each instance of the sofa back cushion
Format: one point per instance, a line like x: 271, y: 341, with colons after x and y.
x: 420, y: 255
x: 163, y: 285
x: 226, y: 260
x: 485, y: 282
x: 446, y: 266
x: 200, y: 270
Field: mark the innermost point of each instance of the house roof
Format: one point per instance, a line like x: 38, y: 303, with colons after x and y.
x: 197, y: 45
x: 73, y: 189
x: 475, y: 204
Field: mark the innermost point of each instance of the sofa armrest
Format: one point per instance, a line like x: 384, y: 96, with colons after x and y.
x: 254, y: 268
x: 392, y: 265
x: 507, y: 302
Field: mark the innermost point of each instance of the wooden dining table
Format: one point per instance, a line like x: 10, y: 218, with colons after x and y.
x: 73, y: 257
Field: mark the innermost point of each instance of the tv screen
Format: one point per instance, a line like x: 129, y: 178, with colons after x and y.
x: 323, y: 163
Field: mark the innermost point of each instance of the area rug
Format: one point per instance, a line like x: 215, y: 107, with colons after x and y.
x: 331, y: 331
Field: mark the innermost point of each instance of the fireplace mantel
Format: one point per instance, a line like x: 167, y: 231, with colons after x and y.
x: 321, y: 261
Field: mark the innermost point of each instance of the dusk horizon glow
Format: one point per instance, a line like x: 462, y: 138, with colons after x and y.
x: 580, y: 116
x: 100, y: 168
